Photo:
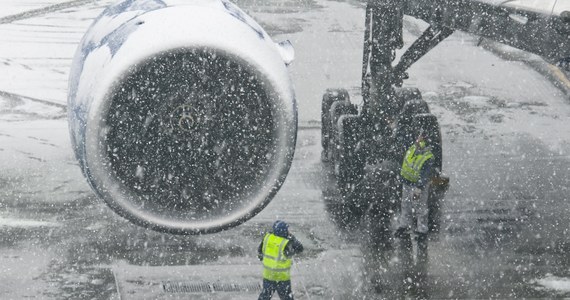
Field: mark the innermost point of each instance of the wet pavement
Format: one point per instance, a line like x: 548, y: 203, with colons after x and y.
x: 504, y: 227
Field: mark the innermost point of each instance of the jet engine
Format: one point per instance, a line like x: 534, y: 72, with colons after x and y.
x: 182, y: 114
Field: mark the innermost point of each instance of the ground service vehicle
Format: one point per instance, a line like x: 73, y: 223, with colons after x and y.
x: 364, y: 146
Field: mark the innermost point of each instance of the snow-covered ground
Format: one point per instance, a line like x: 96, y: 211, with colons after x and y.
x: 14, y: 7
x: 505, y: 143
x: 37, y: 50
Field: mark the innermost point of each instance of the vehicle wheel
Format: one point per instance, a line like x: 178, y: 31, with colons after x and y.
x: 407, y: 94
x: 348, y: 166
x: 405, y: 133
x: 434, y: 212
x: 377, y: 223
x: 330, y: 96
x: 428, y: 122
x: 338, y: 108
x: 439, y: 187
x: 381, y: 190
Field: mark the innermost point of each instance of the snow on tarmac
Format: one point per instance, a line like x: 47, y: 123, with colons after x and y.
x: 34, y: 63
x: 23, y: 223
x: 549, y: 282
x: 12, y: 7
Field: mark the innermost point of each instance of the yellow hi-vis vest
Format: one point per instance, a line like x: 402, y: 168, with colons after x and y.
x: 276, y: 267
x: 412, y: 165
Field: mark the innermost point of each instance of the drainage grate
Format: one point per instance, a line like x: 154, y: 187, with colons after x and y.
x: 205, y: 287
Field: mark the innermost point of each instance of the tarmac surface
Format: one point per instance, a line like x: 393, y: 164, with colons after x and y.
x: 504, y: 123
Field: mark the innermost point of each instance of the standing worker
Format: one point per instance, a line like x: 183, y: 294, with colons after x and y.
x: 416, y: 173
x: 275, y: 251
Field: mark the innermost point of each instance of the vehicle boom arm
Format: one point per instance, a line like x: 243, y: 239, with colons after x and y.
x: 544, y: 34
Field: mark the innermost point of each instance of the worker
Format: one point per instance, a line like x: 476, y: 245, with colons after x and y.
x: 275, y: 251
x: 416, y: 176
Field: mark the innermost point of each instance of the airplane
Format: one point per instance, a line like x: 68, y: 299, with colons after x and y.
x: 183, y: 117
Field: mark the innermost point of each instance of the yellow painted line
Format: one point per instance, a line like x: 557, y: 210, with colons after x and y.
x: 561, y: 76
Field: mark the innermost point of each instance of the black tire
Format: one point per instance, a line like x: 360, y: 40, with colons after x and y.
x: 338, y: 108
x: 378, y: 221
x: 435, y: 202
x: 379, y: 193
x: 330, y: 96
x: 405, y: 133
x: 434, y: 210
x: 407, y: 94
x: 429, y: 124
x: 348, y: 165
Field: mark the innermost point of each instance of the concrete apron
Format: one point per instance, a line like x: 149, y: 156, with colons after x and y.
x: 322, y: 277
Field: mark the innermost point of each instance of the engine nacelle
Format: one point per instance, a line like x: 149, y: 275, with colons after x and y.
x: 183, y: 117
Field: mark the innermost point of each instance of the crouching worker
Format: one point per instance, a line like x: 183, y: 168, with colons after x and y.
x: 275, y: 251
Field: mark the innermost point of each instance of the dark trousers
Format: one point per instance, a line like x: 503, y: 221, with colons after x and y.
x: 283, y: 288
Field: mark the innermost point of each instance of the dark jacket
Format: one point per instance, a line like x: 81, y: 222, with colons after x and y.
x: 292, y: 248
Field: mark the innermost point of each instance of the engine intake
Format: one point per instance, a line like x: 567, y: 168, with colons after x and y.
x: 193, y: 133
